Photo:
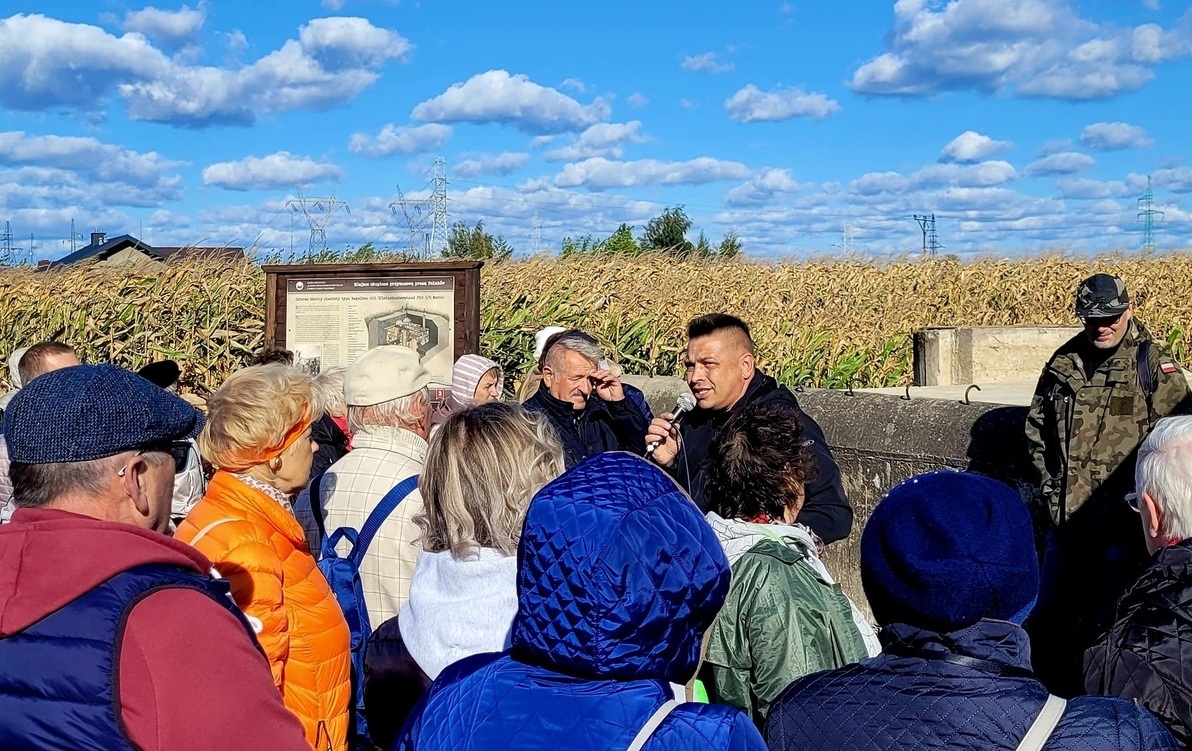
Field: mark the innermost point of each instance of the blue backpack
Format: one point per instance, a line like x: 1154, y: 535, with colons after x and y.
x: 343, y: 574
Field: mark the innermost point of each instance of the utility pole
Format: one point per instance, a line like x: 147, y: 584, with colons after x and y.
x: 931, y: 241
x: 438, y: 209
x: 536, y: 235
x: 8, y: 254
x: 1147, y: 213
x: 317, y: 212
x: 847, y: 238
x: 415, y: 214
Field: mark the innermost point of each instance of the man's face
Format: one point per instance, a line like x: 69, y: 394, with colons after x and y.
x: 718, y: 369
x: 1107, y: 333
x: 487, y: 390
x: 568, y: 378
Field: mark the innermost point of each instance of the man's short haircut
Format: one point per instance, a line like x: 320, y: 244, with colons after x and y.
x: 575, y: 341
x: 272, y: 355
x: 1164, y: 472
x: 758, y: 463
x: 404, y: 410
x: 39, y: 485
x: 36, y: 359
x: 710, y: 323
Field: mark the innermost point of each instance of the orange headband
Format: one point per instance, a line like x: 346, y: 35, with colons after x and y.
x: 248, y: 459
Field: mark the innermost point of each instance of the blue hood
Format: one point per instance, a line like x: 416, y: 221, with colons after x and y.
x: 619, y: 576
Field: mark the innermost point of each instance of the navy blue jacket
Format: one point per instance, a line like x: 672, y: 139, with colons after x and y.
x: 39, y: 711
x: 904, y: 698
x: 618, y: 578
x: 601, y: 426
x: 826, y: 509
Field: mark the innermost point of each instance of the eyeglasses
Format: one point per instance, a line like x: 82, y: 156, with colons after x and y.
x: 1132, y: 501
x: 179, y: 451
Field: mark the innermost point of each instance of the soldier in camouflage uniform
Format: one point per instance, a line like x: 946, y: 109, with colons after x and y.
x: 1095, y: 403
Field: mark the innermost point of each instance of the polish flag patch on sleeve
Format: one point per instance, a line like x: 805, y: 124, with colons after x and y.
x: 1167, y: 367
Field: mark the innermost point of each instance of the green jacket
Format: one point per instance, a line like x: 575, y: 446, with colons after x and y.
x: 1084, y: 432
x: 781, y: 621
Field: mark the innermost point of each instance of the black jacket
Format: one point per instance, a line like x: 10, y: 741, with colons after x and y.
x: 601, y: 426
x: 393, y: 683
x: 333, y: 445
x: 1147, y: 653
x: 826, y: 509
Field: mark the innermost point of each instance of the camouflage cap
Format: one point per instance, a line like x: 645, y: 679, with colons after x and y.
x: 1101, y: 296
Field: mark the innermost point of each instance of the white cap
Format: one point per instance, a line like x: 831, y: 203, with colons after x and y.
x: 541, y: 337
x: 383, y: 374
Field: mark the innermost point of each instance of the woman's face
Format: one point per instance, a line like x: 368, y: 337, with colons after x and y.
x: 489, y: 388
x: 294, y: 471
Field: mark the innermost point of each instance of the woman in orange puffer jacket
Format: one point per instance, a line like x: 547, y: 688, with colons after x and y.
x: 258, y: 437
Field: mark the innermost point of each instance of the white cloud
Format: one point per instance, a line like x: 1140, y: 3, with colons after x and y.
x: 574, y: 84
x: 400, y: 139
x: 170, y: 28
x: 637, y: 100
x: 706, y: 62
x: 498, y: 97
x: 86, y: 172
x: 1114, y: 137
x: 601, y: 139
x: 980, y: 175
x: 1054, y: 146
x: 751, y: 105
x: 763, y: 188
x: 873, y: 183
x: 1083, y: 189
x: 600, y: 173
x: 970, y: 147
x: 1035, y: 48
x: 1063, y: 163
x: 491, y: 164
x: 46, y: 63
x: 1175, y: 179
x: 279, y: 170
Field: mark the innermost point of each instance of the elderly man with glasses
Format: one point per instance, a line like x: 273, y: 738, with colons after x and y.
x: 1144, y: 654
x: 1097, y: 399
x: 113, y: 635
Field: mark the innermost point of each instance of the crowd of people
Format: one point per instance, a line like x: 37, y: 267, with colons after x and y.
x: 345, y: 563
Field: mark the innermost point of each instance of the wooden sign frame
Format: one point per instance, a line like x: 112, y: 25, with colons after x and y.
x: 466, y: 291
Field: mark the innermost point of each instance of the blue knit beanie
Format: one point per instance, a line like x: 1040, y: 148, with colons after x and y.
x: 945, y: 549
x: 89, y: 412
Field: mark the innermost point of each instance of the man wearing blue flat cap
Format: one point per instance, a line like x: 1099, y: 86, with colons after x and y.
x: 949, y: 567
x: 113, y: 635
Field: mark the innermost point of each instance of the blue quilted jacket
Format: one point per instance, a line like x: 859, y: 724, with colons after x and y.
x: 916, y: 694
x: 618, y: 578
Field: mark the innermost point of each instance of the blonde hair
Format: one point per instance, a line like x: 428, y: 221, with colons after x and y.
x: 484, y: 465
x: 253, y: 410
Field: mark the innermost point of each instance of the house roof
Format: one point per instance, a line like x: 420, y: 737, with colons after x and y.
x: 114, y: 245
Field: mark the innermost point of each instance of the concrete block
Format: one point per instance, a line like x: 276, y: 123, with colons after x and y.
x: 984, y: 354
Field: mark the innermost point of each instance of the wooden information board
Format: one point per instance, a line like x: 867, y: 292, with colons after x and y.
x: 328, y: 314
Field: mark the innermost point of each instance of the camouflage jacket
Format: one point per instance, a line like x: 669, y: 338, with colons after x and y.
x: 1084, y: 432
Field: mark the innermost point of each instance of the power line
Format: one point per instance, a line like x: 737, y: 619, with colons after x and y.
x: 1147, y: 213
x: 317, y: 212
x: 931, y: 241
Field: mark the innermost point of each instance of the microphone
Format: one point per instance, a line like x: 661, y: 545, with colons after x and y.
x: 685, y: 403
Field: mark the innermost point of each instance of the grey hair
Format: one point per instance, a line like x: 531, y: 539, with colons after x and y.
x: 1164, y: 472
x: 329, y: 391
x: 40, y: 485
x: 588, y: 350
x: 404, y: 410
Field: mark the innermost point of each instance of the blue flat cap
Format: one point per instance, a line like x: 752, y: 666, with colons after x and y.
x: 89, y: 412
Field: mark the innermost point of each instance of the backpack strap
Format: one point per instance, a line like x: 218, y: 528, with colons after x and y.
x: 378, y: 516
x: 203, y: 532
x: 1146, y: 377
x: 643, y: 735
x: 1041, y: 729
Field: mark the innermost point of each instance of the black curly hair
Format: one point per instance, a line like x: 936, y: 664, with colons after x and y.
x: 758, y: 464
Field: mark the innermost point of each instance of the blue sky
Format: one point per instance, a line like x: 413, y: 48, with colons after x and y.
x: 1023, y: 125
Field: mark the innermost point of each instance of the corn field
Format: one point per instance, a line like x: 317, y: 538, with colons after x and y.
x: 827, y: 322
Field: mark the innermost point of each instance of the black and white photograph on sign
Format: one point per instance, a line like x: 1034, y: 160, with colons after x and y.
x: 308, y: 357
x: 333, y: 320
